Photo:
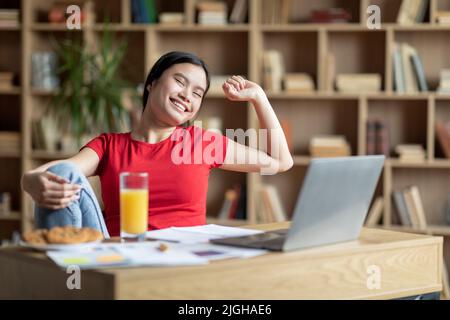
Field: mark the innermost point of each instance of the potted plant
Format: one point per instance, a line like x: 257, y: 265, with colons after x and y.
x: 89, y: 100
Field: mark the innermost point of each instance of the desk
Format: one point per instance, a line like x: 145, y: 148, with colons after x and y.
x: 409, y: 264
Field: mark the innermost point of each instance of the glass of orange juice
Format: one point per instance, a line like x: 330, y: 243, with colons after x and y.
x: 133, y: 205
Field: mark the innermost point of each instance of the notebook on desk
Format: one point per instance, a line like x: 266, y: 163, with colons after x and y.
x: 331, y: 207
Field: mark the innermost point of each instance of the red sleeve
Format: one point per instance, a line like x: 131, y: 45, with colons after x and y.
x: 99, y: 145
x: 215, y: 147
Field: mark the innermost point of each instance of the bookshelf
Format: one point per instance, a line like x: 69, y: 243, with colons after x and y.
x: 236, y: 49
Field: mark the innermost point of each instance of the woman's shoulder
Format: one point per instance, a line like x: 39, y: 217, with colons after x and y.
x: 112, y: 137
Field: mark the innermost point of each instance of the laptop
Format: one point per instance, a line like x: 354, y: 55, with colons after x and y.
x: 331, y: 207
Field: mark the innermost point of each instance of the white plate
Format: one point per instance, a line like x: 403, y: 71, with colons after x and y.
x: 60, y: 247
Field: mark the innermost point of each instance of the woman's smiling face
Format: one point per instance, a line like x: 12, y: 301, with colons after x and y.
x: 177, y: 95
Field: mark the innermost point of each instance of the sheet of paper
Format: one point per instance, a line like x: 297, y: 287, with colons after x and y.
x: 127, y: 255
x: 218, y: 252
x: 199, y: 234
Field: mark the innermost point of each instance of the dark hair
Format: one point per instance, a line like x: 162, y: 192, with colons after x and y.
x: 166, y: 61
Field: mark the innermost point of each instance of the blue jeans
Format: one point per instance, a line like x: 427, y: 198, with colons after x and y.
x: 84, y: 212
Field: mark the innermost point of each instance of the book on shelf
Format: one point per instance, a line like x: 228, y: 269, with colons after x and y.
x: 212, y: 123
x: 375, y: 213
x: 444, y: 82
x: 329, y: 146
x: 234, y: 204
x: 212, y: 13
x: 271, y: 208
x: 402, y: 210
x: 273, y: 70
x: 443, y: 137
x: 239, y: 11
x: 9, y: 17
x: 171, y: 18
x: 330, y: 15
x: 10, y: 141
x: 298, y: 82
x: 409, y: 74
x: 277, y: 12
x: 216, y: 83
x: 44, y: 74
x: 45, y: 134
x: 286, y: 126
x: 6, y: 80
x: 412, y: 11
x: 409, y: 206
x: 410, y: 152
x: 415, y: 206
x: 144, y: 11
x: 377, y: 138
x: 330, y: 72
x: 358, y: 82
x: 5, y: 204
x: 443, y: 17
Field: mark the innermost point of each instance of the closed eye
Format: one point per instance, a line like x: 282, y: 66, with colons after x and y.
x: 198, y: 95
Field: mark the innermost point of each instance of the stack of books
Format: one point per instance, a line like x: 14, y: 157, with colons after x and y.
x: 6, y: 80
x: 9, y: 17
x: 331, y: 15
x: 443, y: 136
x: 329, y: 146
x: 216, y: 83
x: 409, y: 206
x: 10, y: 141
x: 43, y: 75
x: 144, y: 11
x: 444, y: 83
x: 377, y: 138
x: 273, y: 70
x: 212, y: 13
x: 410, y: 152
x: 443, y: 17
x: 412, y: 11
x: 298, y: 82
x: 409, y: 75
x: 271, y: 208
x: 171, y: 18
x: 235, y: 204
x: 358, y: 82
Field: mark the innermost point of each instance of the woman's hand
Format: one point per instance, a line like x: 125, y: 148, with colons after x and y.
x: 49, y: 190
x: 237, y: 88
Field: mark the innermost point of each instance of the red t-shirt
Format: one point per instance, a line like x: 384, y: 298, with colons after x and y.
x: 178, y: 170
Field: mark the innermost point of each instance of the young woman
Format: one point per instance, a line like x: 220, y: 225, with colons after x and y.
x: 174, y: 91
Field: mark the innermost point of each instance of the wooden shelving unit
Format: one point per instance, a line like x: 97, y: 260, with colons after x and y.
x: 237, y: 49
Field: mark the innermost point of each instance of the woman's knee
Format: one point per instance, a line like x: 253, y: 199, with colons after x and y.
x: 66, y: 170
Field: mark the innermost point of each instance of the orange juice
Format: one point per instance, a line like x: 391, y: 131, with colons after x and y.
x: 133, y: 210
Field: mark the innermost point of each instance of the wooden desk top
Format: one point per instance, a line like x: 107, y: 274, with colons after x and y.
x: 406, y: 265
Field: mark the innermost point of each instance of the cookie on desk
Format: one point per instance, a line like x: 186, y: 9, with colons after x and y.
x: 67, y: 235
x: 38, y: 236
x: 93, y: 235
